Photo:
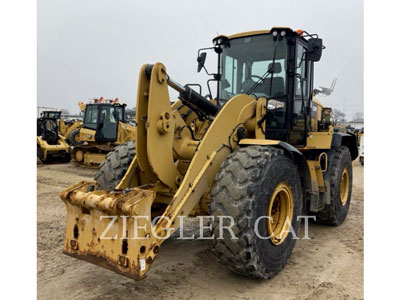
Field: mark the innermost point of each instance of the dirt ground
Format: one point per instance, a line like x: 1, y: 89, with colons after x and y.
x: 328, y: 266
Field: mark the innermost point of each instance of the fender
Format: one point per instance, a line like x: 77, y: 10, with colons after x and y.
x: 310, y: 194
x: 345, y: 139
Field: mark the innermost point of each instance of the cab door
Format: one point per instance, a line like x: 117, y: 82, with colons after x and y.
x: 108, y: 124
x: 301, y: 120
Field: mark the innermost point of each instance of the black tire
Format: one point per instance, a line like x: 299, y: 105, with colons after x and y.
x: 335, y: 213
x: 40, y: 155
x: 66, y: 158
x: 72, y: 138
x: 242, y: 189
x: 114, y: 167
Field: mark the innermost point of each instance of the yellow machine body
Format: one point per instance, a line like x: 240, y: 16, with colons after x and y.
x: 65, y: 129
x: 90, y: 151
x: 51, y: 143
x: 180, y: 176
x: 171, y: 175
x: 62, y: 146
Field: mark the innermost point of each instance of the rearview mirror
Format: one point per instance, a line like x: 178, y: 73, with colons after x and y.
x: 314, y: 49
x: 201, y: 59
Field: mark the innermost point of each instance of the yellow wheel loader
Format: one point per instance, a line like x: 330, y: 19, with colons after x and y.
x: 67, y: 128
x: 104, y: 126
x: 256, y: 157
x: 51, y: 145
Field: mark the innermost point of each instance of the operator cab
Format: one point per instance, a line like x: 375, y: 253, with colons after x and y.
x: 275, y: 64
x: 104, y: 118
x: 47, y: 126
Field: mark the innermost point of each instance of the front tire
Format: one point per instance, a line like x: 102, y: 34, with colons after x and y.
x: 40, y: 155
x: 114, y: 167
x: 254, y: 183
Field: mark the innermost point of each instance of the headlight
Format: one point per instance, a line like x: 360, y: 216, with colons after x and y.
x: 89, y: 136
x: 220, y: 40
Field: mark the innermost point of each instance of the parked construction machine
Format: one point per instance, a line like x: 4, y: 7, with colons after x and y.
x: 104, y: 126
x: 51, y: 145
x: 67, y: 128
x: 256, y: 157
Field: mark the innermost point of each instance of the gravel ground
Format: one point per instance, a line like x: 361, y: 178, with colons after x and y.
x: 327, y: 266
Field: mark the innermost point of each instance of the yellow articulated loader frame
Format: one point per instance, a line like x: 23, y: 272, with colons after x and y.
x: 180, y: 149
x: 157, y: 169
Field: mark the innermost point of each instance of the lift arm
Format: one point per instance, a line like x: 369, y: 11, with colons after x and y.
x: 89, y: 210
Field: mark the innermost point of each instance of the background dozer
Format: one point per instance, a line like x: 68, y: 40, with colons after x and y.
x: 104, y: 126
x: 51, y: 144
x: 262, y: 152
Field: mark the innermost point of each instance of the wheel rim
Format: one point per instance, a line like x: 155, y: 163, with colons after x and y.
x: 344, y: 186
x: 280, y: 213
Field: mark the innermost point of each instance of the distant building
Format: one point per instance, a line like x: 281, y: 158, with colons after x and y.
x: 357, y: 123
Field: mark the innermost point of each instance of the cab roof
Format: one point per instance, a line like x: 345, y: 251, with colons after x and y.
x: 254, y: 32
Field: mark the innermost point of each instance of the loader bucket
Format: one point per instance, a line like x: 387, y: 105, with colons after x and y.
x: 110, y: 228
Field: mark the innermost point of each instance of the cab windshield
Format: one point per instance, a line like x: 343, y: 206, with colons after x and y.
x: 105, y: 114
x: 51, y: 114
x: 254, y: 65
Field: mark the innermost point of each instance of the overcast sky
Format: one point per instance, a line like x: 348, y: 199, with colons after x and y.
x: 93, y: 48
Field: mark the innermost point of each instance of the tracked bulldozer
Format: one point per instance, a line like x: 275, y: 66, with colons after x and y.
x: 261, y: 153
x: 104, y: 126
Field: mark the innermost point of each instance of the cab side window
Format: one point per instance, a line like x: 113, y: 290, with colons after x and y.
x: 301, y: 85
x: 90, y: 120
x: 314, y: 111
x: 231, y: 73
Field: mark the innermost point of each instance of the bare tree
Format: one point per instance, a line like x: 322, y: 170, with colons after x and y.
x: 338, y: 116
x: 358, y: 115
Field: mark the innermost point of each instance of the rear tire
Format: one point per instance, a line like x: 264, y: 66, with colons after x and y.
x: 336, y: 212
x: 244, y: 189
x: 114, y: 167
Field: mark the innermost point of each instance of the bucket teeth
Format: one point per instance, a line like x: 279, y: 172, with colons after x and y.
x: 110, y: 228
